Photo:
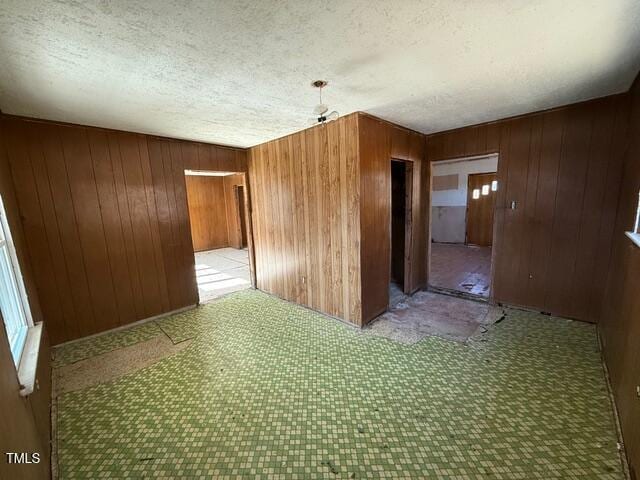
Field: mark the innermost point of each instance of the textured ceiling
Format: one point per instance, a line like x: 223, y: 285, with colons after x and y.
x: 238, y: 72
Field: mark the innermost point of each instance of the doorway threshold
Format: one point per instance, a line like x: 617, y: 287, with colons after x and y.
x: 458, y: 294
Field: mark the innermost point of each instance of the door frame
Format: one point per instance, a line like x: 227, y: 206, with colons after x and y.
x: 248, y: 224
x: 496, y: 211
x: 408, y: 223
x: 240, y: 201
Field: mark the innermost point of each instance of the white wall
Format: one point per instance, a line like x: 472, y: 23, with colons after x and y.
x: 455, y: 198
x: 449, y: 207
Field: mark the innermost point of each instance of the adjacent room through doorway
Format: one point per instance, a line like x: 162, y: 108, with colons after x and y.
x: 401, y: 189
x: 217, y: 215
x: 463, y: 203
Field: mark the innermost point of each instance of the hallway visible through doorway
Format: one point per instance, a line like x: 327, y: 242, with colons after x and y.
x: 463, y: 193
x: 221, y: 271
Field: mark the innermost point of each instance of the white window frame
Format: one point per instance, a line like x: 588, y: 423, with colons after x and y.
x: 634, y: 234
x: 18, y: 344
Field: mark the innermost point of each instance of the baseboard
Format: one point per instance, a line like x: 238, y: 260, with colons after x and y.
x: 128, y: 325
x: 616, y: 418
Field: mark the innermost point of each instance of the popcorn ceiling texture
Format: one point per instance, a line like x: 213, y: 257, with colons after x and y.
x: 239, y: 72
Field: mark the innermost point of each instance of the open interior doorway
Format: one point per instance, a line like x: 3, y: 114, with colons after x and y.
x: 400, y: 228
x: 463, y: 195
x: 241, y: 224
x: 218, y: 206
x: 412, y: 312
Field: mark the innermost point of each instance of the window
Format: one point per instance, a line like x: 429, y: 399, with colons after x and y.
x: 13, y: 299
x: 636, y: 226
x: 485, y: 189
x: 494, y: 186
x: 634, y: 234
x: 475, y: 194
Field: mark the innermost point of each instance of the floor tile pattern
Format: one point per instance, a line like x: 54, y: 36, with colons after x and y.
x: 85, y: 348
x: 271, y: 390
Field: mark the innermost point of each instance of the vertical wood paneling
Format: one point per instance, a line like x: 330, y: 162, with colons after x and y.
x: 207, y: 212
x: 105, y: 220
x: 375, y: 215
x: 379, y: 142
x: 25, y: 421
x: 105, y: 181
x: 53, y: 236
x: 561, y: 167
x: 33, y: 222
x: 306, y: 218
x: 153, y: 221
x: 543, y: 213
x: 620, y: 323
x: 568, y: 216
x: 126, y: 224
x: 592, y: 210
x: 233, y: 227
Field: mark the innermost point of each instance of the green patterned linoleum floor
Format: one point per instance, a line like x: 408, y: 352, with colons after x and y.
x: 270, y: 390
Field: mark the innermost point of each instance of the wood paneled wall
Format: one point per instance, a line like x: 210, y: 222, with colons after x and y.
x: 24, y: 422
x: 306, y: 226
x: 379, y: 142
x: 620, y: 324
x: 106, y: 221
x: 233, y: 226
x: 207, y: 212
x: 563, y: 168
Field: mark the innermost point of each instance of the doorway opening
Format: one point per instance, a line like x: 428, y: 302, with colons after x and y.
x: 241, y: 226
x: 463, y: 199
x: 401, y: 234
x: 220, y: 232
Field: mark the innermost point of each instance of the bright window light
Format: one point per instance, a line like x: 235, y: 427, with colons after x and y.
x: 636, y: 226
x: 207, y: 173
x: 494, y: 186
x: 634, y: 234
x: 485, y: 189
x: 476, y: 193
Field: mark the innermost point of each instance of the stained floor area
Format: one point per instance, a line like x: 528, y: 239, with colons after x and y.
x: 412, y: 318
x: 463, y: 268
x: 221, y: 271
x: 267, y: 389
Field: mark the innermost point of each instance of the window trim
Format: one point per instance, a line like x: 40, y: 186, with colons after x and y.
x: 634, y: 234
x: 17, y: 275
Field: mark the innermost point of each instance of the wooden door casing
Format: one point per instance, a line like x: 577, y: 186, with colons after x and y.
x: 241, y: 220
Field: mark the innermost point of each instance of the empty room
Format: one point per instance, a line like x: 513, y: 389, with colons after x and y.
x: 320, y: 240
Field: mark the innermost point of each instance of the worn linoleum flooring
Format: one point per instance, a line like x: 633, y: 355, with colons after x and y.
x: 463, y: 268
x: 267, y: 389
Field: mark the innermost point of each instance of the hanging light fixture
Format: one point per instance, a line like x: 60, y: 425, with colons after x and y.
x: 321, y: 109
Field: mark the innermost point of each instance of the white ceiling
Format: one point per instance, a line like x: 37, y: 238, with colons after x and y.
x: 238, y: 72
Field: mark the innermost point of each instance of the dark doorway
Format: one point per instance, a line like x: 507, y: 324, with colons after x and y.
x: 401, y: 183
x: 398, y: 193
